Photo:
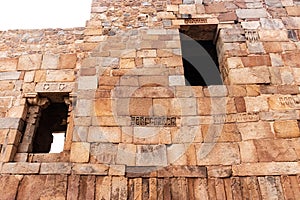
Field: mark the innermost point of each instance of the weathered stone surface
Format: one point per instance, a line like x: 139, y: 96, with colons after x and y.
x: 119, y: 188
x: 248, y: 151
x: 256, y: 104
x: 273, y: 35
x: 55, y: 168
x: 8, y: 64
x: 151, y: 155
x: 9, y: 75
x: 219, y: 171
x: 275, y: 150
x: 104, y: 134
x: 30, y: 62
x: 80, y: 152
x: 20, y: 168
x: 286, y: 129
x: 126, y: 154
x: 50, y: 61
x: 103, y: 187
x: 255, y: 130
x: 266, y: 168
x: 87, y: 83
x: 31, y: 187
x: 104, y: 153
x: 66, y: 75
x: 215, y: 154
x: 252, y: 75
x: 117, y: 170
x: 9, y: 186
x: 67, y: 61
x: 251, y: 13
x: 88, y: 169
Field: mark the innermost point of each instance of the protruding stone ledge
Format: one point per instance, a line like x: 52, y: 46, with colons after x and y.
x: 266, y: 169
x: 90, y: 169
x: 55, y: 168
x: 20, y: 168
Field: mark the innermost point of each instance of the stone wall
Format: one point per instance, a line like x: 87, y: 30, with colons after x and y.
x: 130, y: 111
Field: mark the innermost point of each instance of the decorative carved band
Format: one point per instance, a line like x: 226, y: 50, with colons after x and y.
x: 153, y: 121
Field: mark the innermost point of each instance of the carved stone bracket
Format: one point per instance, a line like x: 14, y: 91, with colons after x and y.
x: 35, y: 100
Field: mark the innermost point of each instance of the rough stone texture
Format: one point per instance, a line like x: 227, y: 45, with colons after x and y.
x: 236, y: 141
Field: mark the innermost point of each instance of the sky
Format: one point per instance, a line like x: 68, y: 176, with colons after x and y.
x: 38, y: 14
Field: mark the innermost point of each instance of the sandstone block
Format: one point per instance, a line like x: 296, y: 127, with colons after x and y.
x: 119, y: 188
x: 248, y: 152
x: 255, y: 130
x: 286, y: 129
x: 293, y: 10
x: 219, y: 171
x: 8, y: 64
x: 103, y: 187
x: 80, y: 152
x: 104, y: 153
x: 30, y: 62
x: 291, y: 59
x: 147, y: 54
x: 176, y: 80
x: 217, y: 154
x: 50, y: 61
x: 8, y: 152
x: 267, y: 168
x: 126, y: 154
x: 251, y: 13
x: 116, y: 170
x: 85, y: 108
x: 140, y: 106
x: 103, y: 107
x: 187, y: 9
x: 248, y: 75
x: 172, y: 8
x: 271, y: 23
x: 7, y: 85
x: 90, y: 169
x: 66, y: 75
x: 176, y: 154
x: 29, y: 76
x: 291, y: 22
x: 252, y: 61
x: 55, y: 168
x: 273, y: 35
x: 127, y: 63
x: 272, y: 47
x: 215, y: 8
x: 151, y: 155
x: 9, y: 75
x: 189, y: 171
x: 104, y: 134
x: 20, y: 168
x: 256, y: 104
x: 87, y: 83
x: 40, y: 76
x: 9, y: 186
x: 275, y: 150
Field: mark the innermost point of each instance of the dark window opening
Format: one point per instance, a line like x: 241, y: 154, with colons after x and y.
x: 199, y: 55
x: 52, y: 122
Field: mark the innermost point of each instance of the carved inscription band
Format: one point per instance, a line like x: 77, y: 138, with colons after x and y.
x: 195, y: 21
x: 153, y: 121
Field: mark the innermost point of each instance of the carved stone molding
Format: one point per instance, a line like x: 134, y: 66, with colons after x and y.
x: 34, y: 100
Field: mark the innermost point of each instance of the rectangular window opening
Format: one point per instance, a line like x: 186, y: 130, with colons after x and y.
x: 51, y: 128
x: 199, y: 55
